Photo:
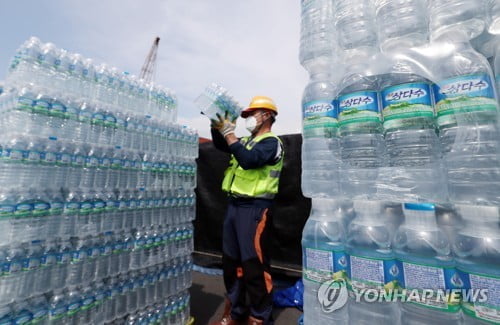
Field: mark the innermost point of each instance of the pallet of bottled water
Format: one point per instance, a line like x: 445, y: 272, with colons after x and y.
x: 401, y: 156
x: 96, y: 195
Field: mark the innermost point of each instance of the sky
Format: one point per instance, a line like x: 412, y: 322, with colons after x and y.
x: 249, y: 47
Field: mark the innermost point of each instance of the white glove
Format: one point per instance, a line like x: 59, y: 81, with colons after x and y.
x: 224, y: 125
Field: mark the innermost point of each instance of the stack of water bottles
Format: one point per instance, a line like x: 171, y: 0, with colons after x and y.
x: 401, y: 156
x: 96, y: 195
x: 215, y: 101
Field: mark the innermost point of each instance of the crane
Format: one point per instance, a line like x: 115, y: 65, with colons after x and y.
x: 149, y: 67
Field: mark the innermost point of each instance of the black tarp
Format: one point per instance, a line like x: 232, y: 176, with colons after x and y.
x: 290, y: 210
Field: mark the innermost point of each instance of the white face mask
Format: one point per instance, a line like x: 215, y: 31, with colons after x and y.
x: 251, y: 123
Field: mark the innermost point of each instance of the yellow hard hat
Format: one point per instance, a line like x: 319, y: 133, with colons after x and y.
x: 260, y: 102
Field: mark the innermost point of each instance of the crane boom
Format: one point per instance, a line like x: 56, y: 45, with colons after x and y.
x: 149, y: 67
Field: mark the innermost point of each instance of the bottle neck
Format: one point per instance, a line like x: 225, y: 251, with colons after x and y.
x: 320, y: 76
x: 326, y: 210
x: 420, y: 219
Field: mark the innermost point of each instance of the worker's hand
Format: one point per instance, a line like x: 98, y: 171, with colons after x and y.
x: 224, y: 124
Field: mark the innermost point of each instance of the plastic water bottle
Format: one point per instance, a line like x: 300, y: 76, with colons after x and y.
x: 48, y: 266
x: 39, y: 309
x: 31, y: 267
x: 372, y: 264
x: 496, y: 68
x: 74, y: 300
x: 465, y: 16
x: 49, y: 160
x: 23, y: 65
x: 426, y: 259
x: 467, y: 118
x: 59, y: 272
x: 320, y: 144
x: 411, y: 29
x: 21, y: 119
x: 412, y: 145
x: 493, y: 9
x: 85, y: 315
x: 121, y: 300
x: 324, y: 258
x: 477, y: 251
x: 58, y: 307
x: 361, y: 135
x: 356, y: 26
x: 318, y: 37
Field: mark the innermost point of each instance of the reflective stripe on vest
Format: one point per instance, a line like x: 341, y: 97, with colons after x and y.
x: 253, y: 183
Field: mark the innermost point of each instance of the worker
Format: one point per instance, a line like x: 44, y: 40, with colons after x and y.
x: 251, y: 182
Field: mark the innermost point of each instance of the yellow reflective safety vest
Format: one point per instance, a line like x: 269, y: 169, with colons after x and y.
x: 253, y: 183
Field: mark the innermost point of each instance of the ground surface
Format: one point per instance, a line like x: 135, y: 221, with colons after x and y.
x: 207, y: 301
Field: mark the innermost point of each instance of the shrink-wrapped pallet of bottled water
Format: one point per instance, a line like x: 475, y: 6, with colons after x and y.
x: 401, y: 156
x: 96, y: 195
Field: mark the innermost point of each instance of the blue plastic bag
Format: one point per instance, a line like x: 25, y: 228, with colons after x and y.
x: 290, y: 297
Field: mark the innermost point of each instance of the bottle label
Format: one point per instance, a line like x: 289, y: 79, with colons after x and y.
x: 23, y: 210
x: 50, y: 157
x: 34, y: 156
x: 72, y: 113
x: 116, y: 163
x: 58, y: 110
x: 57, y: 313
x: 78, y: 160
x: 40, y: 209
x: 56, y: 208
x: 425, y: 277
x: 118, y: 248
x: 94, y: 252
x: 72, y: 208
x: 406, y: 101
x: 464, y: 94
x: 74, y: 308
x: 92, y: 162
x: 49, y: 259
x: 320, y: 119
x: 42, y: 106
x: 100, y: 296
x: 23, y: 318
x: 7, y: 210
x: 65, y: 159
x: 99, y: 206
x: 64, y: 257
x: 121, y: 123
x: 17, y: 155
x: 111, y: 205
x: 87, y: 208
x: 110, y: 121
x: 88, y: 303
x: 79, y: 255
x: 107, y: 249
x: 359, y: 107
x: 38, y: 315
x: 371, y: 273
x: 31, y: 263
x: 24, y: 103
x: 84, y: 116
x: 484, y: 306
x: 323, y: 265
